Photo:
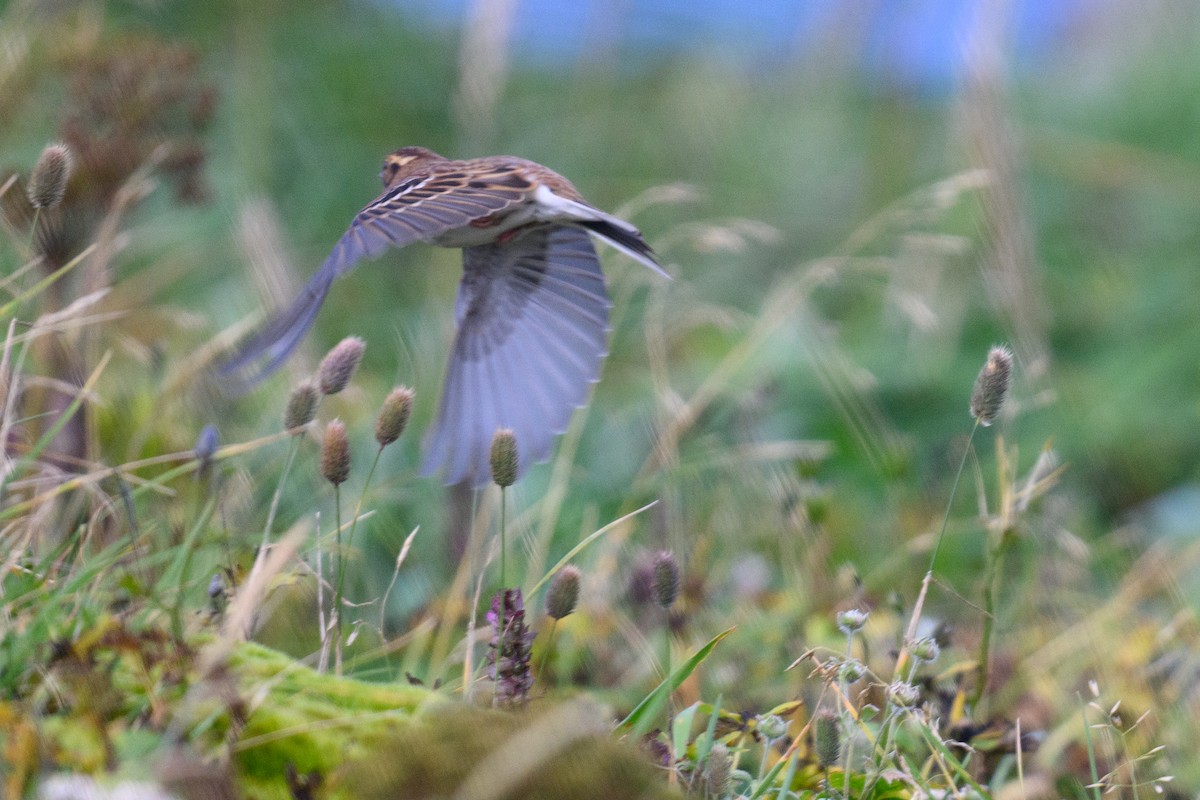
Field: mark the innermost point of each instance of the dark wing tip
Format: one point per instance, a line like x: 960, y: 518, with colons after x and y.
x: 276, y: 341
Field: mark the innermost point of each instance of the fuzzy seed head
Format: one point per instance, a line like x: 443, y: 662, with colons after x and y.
x: 904, y: 694
x: 393, y: 415
x: 828, y: 738
x: 301, y: 406
x: 991, y: 386
x: 851, y: 621
x: 718, y: 770
x: 772, y: 726
x: 335, y: 453
x: 925, y: 650
x: 504, y: 457
x: 48, y: 182
x: 339, y: 364
x: 851, y: 670
x: 666, y: 579
x: 563, y: 593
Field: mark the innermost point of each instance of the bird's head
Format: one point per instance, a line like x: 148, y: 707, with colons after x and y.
x: 402, y: 163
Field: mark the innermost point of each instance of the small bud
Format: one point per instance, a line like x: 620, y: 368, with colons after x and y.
x: 206, y: 446
x: 301, y: 406
x: 666, y: 579
x: 828, y: 738
x: 393, y: 415
x: 335, y: 453
x: 772, y: 726
x: 851, y: 621
x: 718, y: 770
x: 216, y: 586
x: 504, y: 458
x: 991, y: 386
x: 339, y: 364
x: 563, y: 593
x: 903, y: 694
x: 925, y: 650
x: 48, y: 183
x: 851, y: 670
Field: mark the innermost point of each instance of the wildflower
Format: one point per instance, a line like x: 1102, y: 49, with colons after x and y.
x: 393, y: 415
x: 48, y: 182
x: 335, y: 453
x: 510, y: 650
x: 339, y: 364
x: 991, y: 386
x: 504, y: 458
x: 563, y: 593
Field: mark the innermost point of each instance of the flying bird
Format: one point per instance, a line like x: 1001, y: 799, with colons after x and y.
x: 532, y: 309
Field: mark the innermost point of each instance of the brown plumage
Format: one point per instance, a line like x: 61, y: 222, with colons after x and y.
x: 532, y: 307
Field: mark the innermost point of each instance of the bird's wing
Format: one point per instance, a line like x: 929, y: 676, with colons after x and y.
x: 423, y: 207
x: 532, y: 334
x: 417, y: 209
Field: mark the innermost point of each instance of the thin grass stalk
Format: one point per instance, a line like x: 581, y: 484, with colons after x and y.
x: 1091, y: 750
x: 283, y: 476
x: 37, y: 214
x: 546, y: 652
x: 911, y: 633
x: 991, y: 588
x: 48, y: 436
x: 185, y: 561
x: 341, y: 576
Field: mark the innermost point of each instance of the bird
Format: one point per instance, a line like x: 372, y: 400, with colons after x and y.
x: 532, y: 308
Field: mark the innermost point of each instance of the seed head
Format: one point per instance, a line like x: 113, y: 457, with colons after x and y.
x: 851, y: 670
x: 772, y: 726
x: 563, y: 593
x: 925, y: 650
x: 335, y: 453
x: 48, y: 183
x: 339, y: 364
x: 393, y: 415
x: 666, y: 579
x: 903, y: 694
x: 301, y: 406
x: 991, y: 386
x: 504, y: 457
x: 851, y: 620
x: 718, y: 770
x: 828, y: 738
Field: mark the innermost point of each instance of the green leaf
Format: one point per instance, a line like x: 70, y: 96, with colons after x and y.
x: 644, y: 714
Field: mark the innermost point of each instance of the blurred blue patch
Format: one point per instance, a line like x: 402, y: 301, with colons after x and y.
x: 916, y: 45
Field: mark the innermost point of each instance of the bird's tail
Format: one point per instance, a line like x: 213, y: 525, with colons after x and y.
x: 626, y: 238
x: 266, y: 350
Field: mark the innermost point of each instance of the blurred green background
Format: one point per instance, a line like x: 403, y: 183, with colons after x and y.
x: 851, y: 220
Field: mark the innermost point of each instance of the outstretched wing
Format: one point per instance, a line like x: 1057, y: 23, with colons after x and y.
x: 532, y: 335
x: 417, y: 209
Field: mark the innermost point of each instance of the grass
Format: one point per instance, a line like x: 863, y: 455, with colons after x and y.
x: 786, y: 418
